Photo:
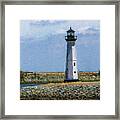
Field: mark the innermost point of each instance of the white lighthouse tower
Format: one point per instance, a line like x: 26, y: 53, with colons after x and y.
x: 71, y: 72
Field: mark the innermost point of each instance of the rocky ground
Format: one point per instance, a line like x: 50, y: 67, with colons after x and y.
x: 62, y: 91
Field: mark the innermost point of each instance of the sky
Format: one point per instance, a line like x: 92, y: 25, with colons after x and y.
x: 43, y: 46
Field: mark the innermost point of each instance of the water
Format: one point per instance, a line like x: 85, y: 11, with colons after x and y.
x: 27, y: 85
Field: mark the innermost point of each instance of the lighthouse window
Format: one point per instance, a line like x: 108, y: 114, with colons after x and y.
x: 74, y: 71
x: 68, y: 33
x: 74, y: 64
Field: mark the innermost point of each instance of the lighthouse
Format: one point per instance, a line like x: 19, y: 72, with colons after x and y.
x: 71, y: 72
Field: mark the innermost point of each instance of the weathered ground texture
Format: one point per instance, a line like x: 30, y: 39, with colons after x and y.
x: 62, y: 91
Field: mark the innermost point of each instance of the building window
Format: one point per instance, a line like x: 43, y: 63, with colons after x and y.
x: 74, y: 63
x: 74, y: 71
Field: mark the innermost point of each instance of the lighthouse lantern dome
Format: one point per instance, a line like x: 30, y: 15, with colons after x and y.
x: 70, y: 35
x: 70, y: 32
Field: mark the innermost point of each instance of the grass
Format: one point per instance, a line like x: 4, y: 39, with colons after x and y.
x: 51, y: 86
x: 55, y: 77
x: 63, y: 91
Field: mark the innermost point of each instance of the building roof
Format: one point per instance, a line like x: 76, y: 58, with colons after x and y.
x: 70, y: 30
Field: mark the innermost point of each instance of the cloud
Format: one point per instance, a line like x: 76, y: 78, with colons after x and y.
x: 88, y: 30
x: 43, y: 23
x: 40, y: 30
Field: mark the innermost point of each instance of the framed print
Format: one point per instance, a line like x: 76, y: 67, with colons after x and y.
x: 60, y: 60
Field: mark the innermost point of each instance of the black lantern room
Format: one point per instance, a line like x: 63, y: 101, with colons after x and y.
x: 70, y: 35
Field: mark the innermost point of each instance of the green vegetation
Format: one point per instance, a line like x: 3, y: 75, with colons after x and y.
x: 63, y: 91
x: 55, y: 77
x: 51, y: 86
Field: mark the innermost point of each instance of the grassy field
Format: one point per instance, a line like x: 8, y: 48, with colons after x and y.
x: 55, y: 77
x: 51, y: 86
x: 63, y: 91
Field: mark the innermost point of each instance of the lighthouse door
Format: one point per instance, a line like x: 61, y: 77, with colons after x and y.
x: 75, y: 72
